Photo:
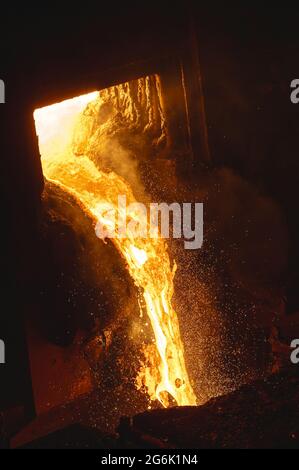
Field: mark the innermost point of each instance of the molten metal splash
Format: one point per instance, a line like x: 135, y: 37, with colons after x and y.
x: 163, y: 372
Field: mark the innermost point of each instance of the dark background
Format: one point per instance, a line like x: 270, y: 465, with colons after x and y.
x: 248, y: 57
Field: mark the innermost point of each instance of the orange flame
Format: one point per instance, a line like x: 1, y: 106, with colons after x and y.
x: 164, y: 372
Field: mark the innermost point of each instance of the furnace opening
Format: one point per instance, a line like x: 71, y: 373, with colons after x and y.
x: 90, y: 146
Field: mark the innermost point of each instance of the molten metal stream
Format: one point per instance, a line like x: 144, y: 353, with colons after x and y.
x: 164, y: 374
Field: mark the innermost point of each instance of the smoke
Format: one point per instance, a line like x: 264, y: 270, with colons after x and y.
x: 112, y: 156
x: 122, y: 128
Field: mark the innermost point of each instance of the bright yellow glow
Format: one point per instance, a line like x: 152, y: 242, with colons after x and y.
x: 140, y: 256
x: 55, y: 124
x: 163, y: 372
